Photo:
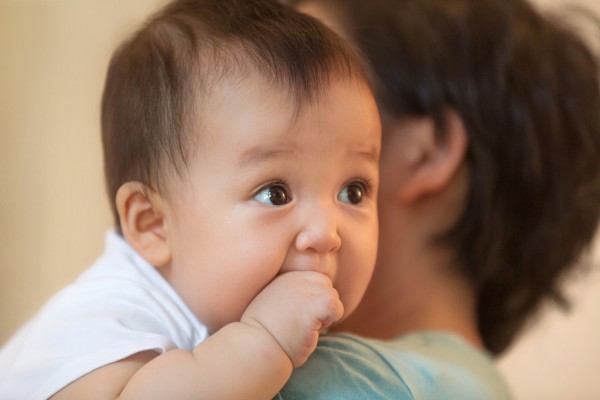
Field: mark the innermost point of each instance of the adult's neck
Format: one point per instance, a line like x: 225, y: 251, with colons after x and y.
x: 420, y: 298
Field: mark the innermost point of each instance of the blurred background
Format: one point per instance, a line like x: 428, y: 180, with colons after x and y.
x: 54, y: 211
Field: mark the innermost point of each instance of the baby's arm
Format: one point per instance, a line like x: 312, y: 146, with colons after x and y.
x: 250, y: 359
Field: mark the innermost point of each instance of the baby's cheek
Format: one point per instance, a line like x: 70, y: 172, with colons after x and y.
x: 353, y: 282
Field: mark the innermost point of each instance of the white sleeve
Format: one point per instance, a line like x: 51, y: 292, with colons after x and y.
x: 84, y: 327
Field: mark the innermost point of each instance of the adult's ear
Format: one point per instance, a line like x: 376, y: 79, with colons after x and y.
x: 142, y: 222
x: 431, y: 161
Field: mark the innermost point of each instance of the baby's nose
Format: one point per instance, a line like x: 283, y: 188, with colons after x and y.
x: 319, y: 234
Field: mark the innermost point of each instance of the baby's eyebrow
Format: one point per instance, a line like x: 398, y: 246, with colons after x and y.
x: 259, y: 154
x: 371, y: 155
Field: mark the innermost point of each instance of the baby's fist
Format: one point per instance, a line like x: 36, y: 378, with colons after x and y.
x: 293, y: 308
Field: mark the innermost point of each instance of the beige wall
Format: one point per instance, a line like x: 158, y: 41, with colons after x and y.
x: 53, y: 210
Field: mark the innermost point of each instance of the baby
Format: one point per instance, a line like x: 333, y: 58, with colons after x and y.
x: 241, y: 145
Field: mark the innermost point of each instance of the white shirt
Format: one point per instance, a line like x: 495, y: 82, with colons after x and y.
x: 120, y: 306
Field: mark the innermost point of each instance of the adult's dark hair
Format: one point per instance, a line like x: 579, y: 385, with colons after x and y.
x: 159, y: 78
x: 527, y: 91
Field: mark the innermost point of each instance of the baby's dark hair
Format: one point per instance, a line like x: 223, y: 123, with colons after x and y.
x: 526, y: 88
x: 158, y: 79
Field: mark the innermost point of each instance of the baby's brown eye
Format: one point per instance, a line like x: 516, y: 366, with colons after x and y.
x: 353, y: 193
x: 275, y: 195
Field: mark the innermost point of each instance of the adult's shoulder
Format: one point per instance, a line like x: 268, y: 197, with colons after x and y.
x: 346, y: 367
x: 419, y: 365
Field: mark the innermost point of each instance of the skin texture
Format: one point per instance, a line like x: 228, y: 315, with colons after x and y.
x: 269, y: 238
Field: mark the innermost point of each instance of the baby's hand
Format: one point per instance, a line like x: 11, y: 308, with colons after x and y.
x: 293, y: 309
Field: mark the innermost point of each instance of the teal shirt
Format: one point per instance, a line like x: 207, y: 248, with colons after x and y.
x: 429, y: 365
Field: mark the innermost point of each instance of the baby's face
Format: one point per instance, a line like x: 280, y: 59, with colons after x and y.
x: 269, y: 192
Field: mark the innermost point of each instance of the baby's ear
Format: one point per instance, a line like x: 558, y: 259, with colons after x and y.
x: 432, y: 161
x: 141, y: 214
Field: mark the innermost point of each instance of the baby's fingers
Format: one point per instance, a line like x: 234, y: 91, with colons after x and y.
x: 333, y: 311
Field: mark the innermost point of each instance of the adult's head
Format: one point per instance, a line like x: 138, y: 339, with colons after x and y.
x: 515, y: 212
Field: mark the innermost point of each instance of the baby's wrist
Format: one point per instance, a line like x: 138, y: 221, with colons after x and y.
x: 267, y: 344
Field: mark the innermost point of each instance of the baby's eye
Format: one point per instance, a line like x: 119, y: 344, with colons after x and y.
x: 274, y: 194
x: 353, y: 193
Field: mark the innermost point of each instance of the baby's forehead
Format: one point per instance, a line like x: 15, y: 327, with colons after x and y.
x: 254, y: 97
x: 240, y: 106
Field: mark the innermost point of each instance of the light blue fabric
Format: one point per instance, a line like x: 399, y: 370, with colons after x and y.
x: 428, y: 365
